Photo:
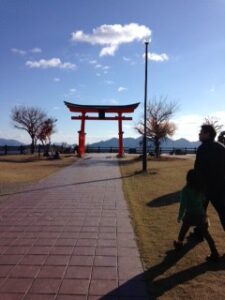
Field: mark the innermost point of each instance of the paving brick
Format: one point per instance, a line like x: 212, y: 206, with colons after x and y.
x: 16, y: 285
x: 17, y: 250
x: 20, y: 271
x: 71, y: 297
x: 7, y: 296
x: 104, y: 273
x: 84, y: 251
x: 74, y: 286
x: 78, y: 260
x: 51, y: 272
x: 61, y: 250
x: 33, y: 260
x: 4, y: 270
x: 39, y: 297
x: 103, y: 287
x: 106, y: 251
x: 10, y: 259
x: 39, y: 250
x: 105, y: 261
x: 79, y: 272
x: 45, y: 286
x: 57, y: 260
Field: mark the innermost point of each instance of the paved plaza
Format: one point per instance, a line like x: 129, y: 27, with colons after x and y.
x: 69, y: 237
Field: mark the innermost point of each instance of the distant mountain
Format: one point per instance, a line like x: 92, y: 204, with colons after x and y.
x: 7, y: 142
x: 128, y: 142
x: 133, y: 143
x: 180, y: 143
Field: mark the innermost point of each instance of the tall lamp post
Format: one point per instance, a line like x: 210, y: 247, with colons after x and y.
x: 144, y: 158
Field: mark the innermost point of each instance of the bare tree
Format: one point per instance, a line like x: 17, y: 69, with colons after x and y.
x: 29, y: 119
x: 214, y: 122
x: 46, y: 129
x: 158, y: 124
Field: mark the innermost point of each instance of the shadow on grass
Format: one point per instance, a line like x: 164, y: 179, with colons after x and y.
x: 25, y: 159
x: 136, y: 287
x: 21, y: 160
x: 160, y: 286
x: 165, y: 200
x: 125, y: 162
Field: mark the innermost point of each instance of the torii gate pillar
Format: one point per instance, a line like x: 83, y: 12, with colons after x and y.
x: 121, y: 149
x: 82, y: 134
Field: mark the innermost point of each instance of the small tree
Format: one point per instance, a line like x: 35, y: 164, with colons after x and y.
x: 158, y: 124
x: 29, y: 119
x: 46, y: 129
x: 213, y: 121
x: 221, y: 137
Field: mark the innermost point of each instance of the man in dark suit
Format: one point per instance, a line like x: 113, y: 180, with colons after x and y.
x: 210, y: 166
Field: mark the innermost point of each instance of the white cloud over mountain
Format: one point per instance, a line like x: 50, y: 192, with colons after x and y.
x: 112, y: 36
x: 51, y: 63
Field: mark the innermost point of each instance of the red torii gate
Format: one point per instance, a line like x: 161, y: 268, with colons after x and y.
x: 101, y: 110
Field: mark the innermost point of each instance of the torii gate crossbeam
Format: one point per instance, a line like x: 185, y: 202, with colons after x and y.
x: 101, y: 110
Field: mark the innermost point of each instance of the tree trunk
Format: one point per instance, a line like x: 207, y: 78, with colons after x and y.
x: 32, y: 146
x: 46, y: 150
x: 157, y: 147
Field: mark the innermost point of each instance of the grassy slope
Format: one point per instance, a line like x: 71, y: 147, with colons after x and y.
x: 153, y: 202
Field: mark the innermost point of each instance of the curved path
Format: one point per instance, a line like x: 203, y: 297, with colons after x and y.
x: 69, y: 237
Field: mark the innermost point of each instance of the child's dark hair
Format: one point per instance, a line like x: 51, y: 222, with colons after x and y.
x: 193, y: 180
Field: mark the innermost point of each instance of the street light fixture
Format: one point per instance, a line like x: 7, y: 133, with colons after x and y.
x: 144, y: 157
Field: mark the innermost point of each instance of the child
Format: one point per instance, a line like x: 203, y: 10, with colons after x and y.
x: 192, y: 213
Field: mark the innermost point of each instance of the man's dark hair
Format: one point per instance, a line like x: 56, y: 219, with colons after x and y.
x: 208, y: 128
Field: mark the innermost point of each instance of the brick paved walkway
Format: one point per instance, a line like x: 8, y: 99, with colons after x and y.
x: 70, y: 237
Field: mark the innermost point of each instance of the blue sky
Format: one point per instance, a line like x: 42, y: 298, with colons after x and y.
x: 91, y: 52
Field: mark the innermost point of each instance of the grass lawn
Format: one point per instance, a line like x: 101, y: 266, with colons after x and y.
x: 19, y: 170
x: 153, y: 200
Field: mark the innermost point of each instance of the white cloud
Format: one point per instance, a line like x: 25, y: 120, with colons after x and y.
x: 112, y: 36
x: 188, y: 126
x: 109, y: 82
x: 73, y: 90
x: 18, y: 51
x: 157, y: 57
x: 105, y: 68
x: 51, y: 63
x: 36, y: 50
x: 111, y: 101
x: 98, y: 66
x: 93, y: 62
x: 24, y: 52
x: 121, y: 89
x: 98, y: 74
x: 56, y: 79
x: 126, y: 58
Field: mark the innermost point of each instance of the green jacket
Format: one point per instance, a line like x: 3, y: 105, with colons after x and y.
x: 191, y: 203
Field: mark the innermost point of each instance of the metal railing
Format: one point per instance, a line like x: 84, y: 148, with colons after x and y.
x: 24, y: 149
